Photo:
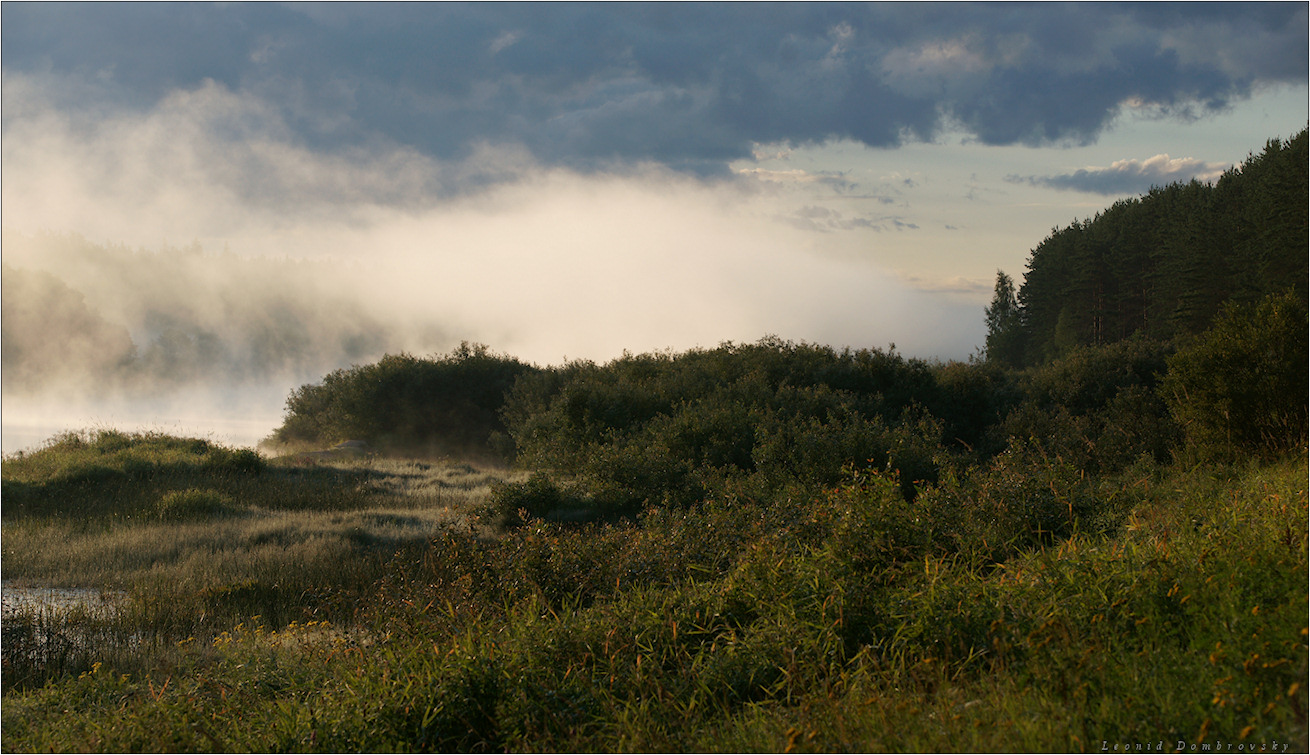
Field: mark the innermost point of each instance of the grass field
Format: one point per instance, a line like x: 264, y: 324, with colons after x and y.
x: 363, y: 605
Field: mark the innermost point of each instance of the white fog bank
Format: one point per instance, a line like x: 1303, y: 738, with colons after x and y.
x: 193, y: 264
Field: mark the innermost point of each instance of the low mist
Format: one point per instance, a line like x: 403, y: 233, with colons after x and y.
x: 189, y: 266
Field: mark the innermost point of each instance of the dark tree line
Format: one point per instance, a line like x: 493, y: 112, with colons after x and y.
x: 1161, y: 265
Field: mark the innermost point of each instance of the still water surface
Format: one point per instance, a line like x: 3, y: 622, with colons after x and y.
x: 14, y: 598
x: 29, y: 434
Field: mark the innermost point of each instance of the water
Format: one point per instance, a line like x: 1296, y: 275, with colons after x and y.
x: 27, y: 429
x: 14, y: 599
x: 49, y: 632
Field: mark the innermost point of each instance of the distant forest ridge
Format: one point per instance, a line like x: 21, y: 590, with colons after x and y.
x: 1161, y: 265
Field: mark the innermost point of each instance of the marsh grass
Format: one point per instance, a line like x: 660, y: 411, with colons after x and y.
x: 195, y: 538
x: 45, y: 639
x: 1171, y: 608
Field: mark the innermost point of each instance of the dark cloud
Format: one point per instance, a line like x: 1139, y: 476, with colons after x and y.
x: 1128, y: 176
x: 689, y: 86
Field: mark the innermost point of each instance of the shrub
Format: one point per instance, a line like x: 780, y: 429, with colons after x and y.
x: 705, y: 406
x: 192, y: 503
x: 1097, y: 406
x: 1022, y: 498
x: 1241, y: 386
x: 441, y: 405
x: 973, y: 397
x: 1088, y: 377
x: 872, y: 524
x: 715, y: 434
x: 811, y: 451
x: 242, y: 461
x: 1135, y: 423
x: 624, y: 477
x: 513, y: 503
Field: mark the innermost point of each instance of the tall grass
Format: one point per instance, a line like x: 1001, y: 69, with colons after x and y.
x: 194, y: 538
x: 844, y: 620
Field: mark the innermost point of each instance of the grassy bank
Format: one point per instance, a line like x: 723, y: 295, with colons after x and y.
x: 193, y: 538
x: 1170, y: 606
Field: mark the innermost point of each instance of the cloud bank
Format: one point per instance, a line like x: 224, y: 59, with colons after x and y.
x: 1129, y: 176
x: 691, y: 87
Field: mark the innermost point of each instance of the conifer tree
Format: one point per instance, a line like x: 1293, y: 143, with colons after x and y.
x: 1165, y: 264
x: 1004, y: 333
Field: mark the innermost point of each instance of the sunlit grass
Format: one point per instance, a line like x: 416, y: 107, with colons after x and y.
x: 222, y: 547
x: 844, y: 621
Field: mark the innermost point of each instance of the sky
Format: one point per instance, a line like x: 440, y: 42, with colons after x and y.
x: 564, y: 181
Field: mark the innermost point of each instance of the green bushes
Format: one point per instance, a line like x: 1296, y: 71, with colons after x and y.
x: 1097, y: 407
x: 1241, y: 387
x: 92, y: 457
x: 238, y: 461
x: 1020, y: 499
x: 515, y: 503
x: 552, y: 417
x: 403, y: 404
x: 89, y: 475
x: 657, y: 430
x: 753, y: 420
x: 981, y: 615
x: 192, y: 503
x: 673, y: 429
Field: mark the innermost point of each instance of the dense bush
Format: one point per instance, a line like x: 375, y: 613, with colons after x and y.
x: 192, y: 503
x: 1097, y: 407
x: 1022, y: 498
x: 971, y: 399
x: 551, y: 416
x: 664, y: 429
x: 514, y: 503
x: 1241, y: 387
x: 1088, y: 377
x: 443, y: 405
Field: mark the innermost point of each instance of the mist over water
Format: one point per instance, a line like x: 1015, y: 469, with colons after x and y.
x: 211, y: 344
x: 27, y: 427
x: 175, y: 340
x: 185, y: 268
